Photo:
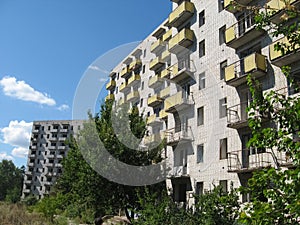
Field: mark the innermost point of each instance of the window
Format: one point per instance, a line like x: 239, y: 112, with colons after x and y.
x: 200, y: 151
x: 223, y: 184
x: 177, y: 122
x: 223, y: 148
x: 222, y: 107
x: 199, y: 188
x: 200, y: 116
x: 223, y: 65
x: 201, y: 18
x: 202, y: 81
x: 221, y: 5
x: 145, y: 52
x: 222, y: 35
x: 144, y: 68
x: 141, y: 103
x: 118, y: 76
x: 142, y: 86
x: 201, y: 48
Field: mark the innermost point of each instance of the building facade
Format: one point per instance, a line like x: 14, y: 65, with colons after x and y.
x: 189, y: 76
x: 46, y: 151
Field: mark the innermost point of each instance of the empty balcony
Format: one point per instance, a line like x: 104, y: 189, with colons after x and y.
x: 133, y: 96
x: 181, y: 41
x: 133, y: 80
x: 155, y: 81
x: 153, y: 120
x: 165, y: 56
x: 254, y: 64
x: 231, y: 7
x: 179, y: 171
x: 154, y: 139
x: 110, y: 97
x: 276, y: 9
x: 124, y: 87
x: 163, y: 114
x: 135, y: 65
x: 156, y: 63
x: 181, y: 71
x: 125, y: 71
x: 177, y: 102
x: 165, y: 73
x: 168, y: 35
x: 111, y: 85
x: 285, y: 57
x: 237, y: 116
x: 181, y: 14
x: 242, y: 32
x: 175, y: 137
x: 154, y: 100
x: 157, y: 46
x: 165, y: 92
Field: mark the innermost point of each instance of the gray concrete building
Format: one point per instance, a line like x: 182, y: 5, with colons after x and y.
x: 46, y: 151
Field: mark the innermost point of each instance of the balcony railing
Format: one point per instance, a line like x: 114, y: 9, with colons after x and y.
x: 125, y: 71
x: 242, y: 32
x: 165, y: 73
x: 110, y: 97
x: 177, y: 102
x: 157, y: 46
x: 183, y: 136
x: 134, y: 79
x: 155, y: 81
x: 133, y: 96
x: 165, y: 56
x: 153, y: 120
x: 229, y: 6
x: 154, y: 139
x: 124, y: 87
x: 163, y: 114
x: 111, y: 85
x: 285, y: 57
x: 181, y: 71
x: 165, y: 92
x: 167, y: 35
x: 154, y: 100
x: 135, y: 65
x: 156, y: 63
x: 237, y: 116
x: 181, y: 14
x: 179, y: 171
x: 254, y: 64
x: 275, y: 7
x: 252, y: 159
x: 181, y: 41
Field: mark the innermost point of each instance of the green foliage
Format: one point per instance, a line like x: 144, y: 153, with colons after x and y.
x: 11, y: 181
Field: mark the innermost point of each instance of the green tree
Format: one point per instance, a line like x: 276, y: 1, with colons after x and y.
x: 11, y: 181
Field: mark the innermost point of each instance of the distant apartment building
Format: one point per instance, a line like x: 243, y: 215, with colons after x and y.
x: 189, y: 77
x: 46, y: 152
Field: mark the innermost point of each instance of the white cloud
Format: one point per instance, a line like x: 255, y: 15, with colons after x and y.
x: 63, y: 107
x: 17, y: 134
x: 98, y: 69
x: 20, y: 90
x: 3, y: 155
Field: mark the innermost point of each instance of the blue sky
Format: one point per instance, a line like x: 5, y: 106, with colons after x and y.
x: 46, y: 46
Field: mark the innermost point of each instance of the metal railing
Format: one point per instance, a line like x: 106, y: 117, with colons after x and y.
x: 174, y: 136
x: 237, y: 113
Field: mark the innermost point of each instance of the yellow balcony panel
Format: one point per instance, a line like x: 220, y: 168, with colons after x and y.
x: 124, y: 87
x: 111, y: 85
x: 165, y: 73
x: 135, y: 65
x: 134, y: 79
x: 242, y: 32
x: 165, y: 56
x: 157, y: 46
x: 181, y: 14
x: 177, y: 102
x: 181, y: 41
x: 125, y: 71
x: 121, y: 101
x: 278, y: 58
x: 156, y: 63
x: 153, y: 120
x: 112, y: 74
x: 275, y: 7
x: 163, y: 114
x: 168, y: 35
x: 181, y: 71
x: 133, y: 96
x: 155, y: 81
x: 154, y: 100
x: 154, y: 139
x: 254, y: 64
x: 165, y: 92
x: 230, y: 6
x: 110, y: 97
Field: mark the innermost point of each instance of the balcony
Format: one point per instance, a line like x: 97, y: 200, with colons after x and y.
x: 54, y: 130
x: 52, y: 147
x: 286, y: 57
x: 168, y: 35
x: 163, y: 115
x: 254, y: 64
x: 121, y: 101
x: 165, y: 56
x: 112, y: 74
x: 53, y: 139
x: 165, y: 92
x: 156, y: 63
x: 242, y: 32
x: 181, y: 41
x: 181, y: 14
x: 110, y: 97
x: 64, y: 130
x: 135, y: 65
x: 157, y: 46
x: 275, y: 7
x: 111, y: 85
x: 133, y: 96
x: 177, y: 102
x: 181, y: 71
x: 155, y: 81
x: 125, y: 71
x: 31, y: 164
x: 62, y: 139
x: 237, y: 116
x: 154, y: 100
x: 165, y: 73
x: 175, y: 137
x: 153, y: 120
x: 248, y: 160
x: 32, y: 156
x: 33, y: 147
x: 230, y: 7
x: 124, y: 87
x: 154, y: 139
x: 35, y: 131
x: 26, y: 191
x: 179, y: 171
x: 133, y: 80
x: 62, y: 147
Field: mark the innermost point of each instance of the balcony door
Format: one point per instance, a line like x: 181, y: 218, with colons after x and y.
x: 245, y: 150
x: 245, y: 102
